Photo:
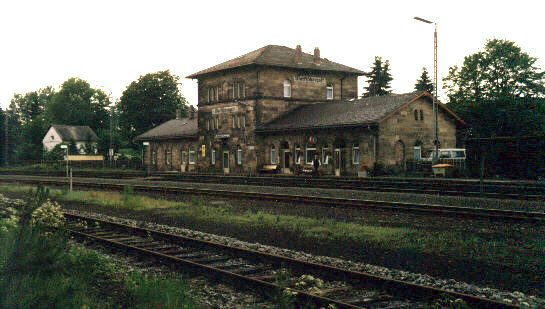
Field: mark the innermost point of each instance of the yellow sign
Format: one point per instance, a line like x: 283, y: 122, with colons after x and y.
x: 203, y: 150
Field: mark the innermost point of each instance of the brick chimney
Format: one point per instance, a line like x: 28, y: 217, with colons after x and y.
x: 298, y: 54
x: 316, y: 55
x: 178, y: 114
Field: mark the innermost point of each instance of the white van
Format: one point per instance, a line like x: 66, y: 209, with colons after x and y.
x: 448, y: 153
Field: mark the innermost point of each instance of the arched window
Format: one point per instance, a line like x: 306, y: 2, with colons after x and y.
x: 310, y: 152
x: 287, y: 88
x: 421, y: 115
x: 356, y: 153
x: 234, y: 122
x: 273, y: 154
x: 239, y: 155
x: 191, y: 155
x: 415, y: 114
x: 329, y: 92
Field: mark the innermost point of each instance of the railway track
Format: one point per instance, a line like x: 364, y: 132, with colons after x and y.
x: 449, y: 187
x: 265, y: 273
x: 454, y: 211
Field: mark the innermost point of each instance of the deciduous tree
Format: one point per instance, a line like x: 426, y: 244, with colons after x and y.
x: 499, y: 91
x: 148, y: 102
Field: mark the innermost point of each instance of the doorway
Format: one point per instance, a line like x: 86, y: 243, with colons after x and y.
x: 337, y: 161
x: 226, y: 162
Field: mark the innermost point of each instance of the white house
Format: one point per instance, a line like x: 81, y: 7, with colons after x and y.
x: 62, y: 134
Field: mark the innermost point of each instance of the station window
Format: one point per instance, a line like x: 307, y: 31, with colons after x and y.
x: 207, y: 124
x: 415, y: 114
x: 238, y: 122
x: 329, y: 92
x: 218, y: 90
x: 273, y: 154
x: 356, y: 154
x: 217, y: 123
x: 310, y: 152
x: 287, y: 89
x: 239, y: 155
x: 243, y: 121
x: 213, y: 160
x: 191, y: 155
x: 421, y: 115
x: 234, y: 122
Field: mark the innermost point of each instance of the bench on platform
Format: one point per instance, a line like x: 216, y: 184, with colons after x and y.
x: 269, y: 168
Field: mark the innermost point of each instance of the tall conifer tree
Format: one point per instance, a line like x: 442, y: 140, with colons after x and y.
x: 378, y: 79
x: 424, y: 83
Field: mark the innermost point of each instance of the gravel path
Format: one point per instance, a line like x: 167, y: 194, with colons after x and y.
x: 538, y: 206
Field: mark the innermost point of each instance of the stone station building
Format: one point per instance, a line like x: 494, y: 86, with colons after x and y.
x: 280, y: 106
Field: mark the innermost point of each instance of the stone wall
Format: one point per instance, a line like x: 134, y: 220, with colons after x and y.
x: 400, y: 133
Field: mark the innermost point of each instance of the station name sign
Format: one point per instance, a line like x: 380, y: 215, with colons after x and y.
x: 310, y: 79
x: 224, y: 110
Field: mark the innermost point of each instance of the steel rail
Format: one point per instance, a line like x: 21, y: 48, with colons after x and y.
x: 454, y: 211
x: 448, y: 187
x: 403, y: 288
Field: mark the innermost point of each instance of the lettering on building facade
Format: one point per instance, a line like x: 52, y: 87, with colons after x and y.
x: 310, y: 79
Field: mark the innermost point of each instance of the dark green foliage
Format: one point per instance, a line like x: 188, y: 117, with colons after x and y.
x: 72, y: 148
x: 148, y: 102
x: 424, y: 83
x: 55, y: 154
x: 77, y: 103
x: 378, y: 79
x: 88, y: 146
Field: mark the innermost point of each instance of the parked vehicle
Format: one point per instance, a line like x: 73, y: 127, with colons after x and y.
x: 448, y: 153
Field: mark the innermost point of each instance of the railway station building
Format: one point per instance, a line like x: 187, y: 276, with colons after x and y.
x: 277, y: 107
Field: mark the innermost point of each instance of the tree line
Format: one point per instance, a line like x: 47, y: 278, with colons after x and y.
x: 145, y: 103
x: 498, y: 91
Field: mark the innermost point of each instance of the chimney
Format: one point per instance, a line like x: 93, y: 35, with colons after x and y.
x: 177, y: 114
x: 316, y: 55
x: 298, y: 54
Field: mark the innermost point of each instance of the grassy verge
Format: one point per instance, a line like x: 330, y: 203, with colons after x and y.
x: 39, y: 269
x: 517, y: 249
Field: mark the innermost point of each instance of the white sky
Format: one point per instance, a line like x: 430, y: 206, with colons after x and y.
x: 111, y: 43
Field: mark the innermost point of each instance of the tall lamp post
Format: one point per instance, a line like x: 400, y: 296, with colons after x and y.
x: 435, y: 124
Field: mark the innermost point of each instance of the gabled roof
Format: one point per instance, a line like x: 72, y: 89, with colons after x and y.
x: 362, y: 111
x: 76, y: 133
x: 279, y: 56
x: 185, y: 127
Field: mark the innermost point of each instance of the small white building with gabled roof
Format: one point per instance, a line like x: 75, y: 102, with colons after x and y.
x: 64, y: 134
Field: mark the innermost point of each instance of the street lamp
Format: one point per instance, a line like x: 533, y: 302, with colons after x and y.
x: 434, y: 99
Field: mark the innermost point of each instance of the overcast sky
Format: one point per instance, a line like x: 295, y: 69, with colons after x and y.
x: 111, y: 43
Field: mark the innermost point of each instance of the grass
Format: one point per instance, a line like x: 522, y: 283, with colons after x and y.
x: 39, y: 269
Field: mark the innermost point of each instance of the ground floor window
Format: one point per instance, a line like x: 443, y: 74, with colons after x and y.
x: 310, y: 152
x: 213, y: 160
x: 191, y: 155
x: 239, y: 156
x: 297, y: 154
x: 184, y: 157
x: 356, y: 154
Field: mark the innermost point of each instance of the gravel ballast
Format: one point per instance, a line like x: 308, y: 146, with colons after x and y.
x: 515, y: 297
